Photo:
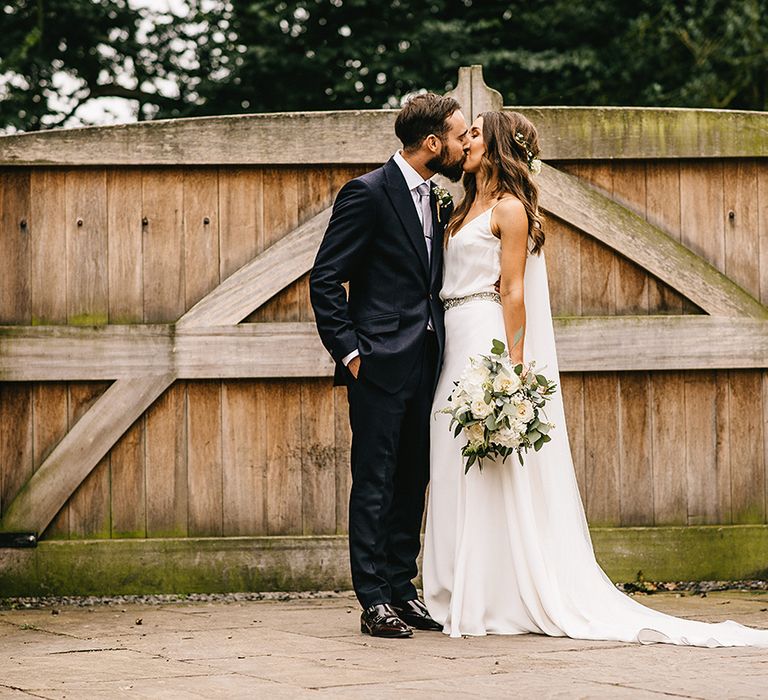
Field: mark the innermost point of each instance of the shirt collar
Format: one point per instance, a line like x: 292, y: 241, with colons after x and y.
x: 412, y: 178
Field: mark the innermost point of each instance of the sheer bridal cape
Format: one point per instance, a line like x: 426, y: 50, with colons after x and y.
x: 507, y: 550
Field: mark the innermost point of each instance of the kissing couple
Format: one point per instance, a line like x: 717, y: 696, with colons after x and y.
x: 507, y: 549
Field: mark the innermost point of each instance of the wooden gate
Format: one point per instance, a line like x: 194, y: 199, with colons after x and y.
x: 167, y: 417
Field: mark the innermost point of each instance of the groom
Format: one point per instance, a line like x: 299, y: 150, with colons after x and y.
x: 385, y: 238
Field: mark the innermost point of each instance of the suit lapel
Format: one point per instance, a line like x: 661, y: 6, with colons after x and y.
x: 401, y: 199
x: 438, y: 231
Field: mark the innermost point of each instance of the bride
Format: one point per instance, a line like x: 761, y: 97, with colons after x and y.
x: 507, y: 550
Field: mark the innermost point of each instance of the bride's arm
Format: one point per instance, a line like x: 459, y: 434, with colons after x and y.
x: 510, y: 224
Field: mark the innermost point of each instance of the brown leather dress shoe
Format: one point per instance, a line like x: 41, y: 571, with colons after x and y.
x: 382, y: 621
x: 415, y: 613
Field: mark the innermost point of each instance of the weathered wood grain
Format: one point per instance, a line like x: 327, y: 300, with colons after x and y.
x: 283, y: 464
x: 128, y: 482
x: 259, y: 280
x: 572, y: 388
x: 747, y: 454
x: 585, y: 344
x: 677, y: 265
x: 87, y: 247
x: 244, y: 449
x: 662, y: 184
x: 50, y: 422
x: 668, y: 419
x: 166, y: 464
x: 366, y: 136
x: 89, y: 507
x: 318, y: 458
x: 343, y: 444
x: 204, y: 459
x: 124, y: 212
x: 163, y: 252
x: 15, y: 283
x: 241, y: 231
x: 201, y: 233
x: 48, y: 246
x: 16, y: 447
x: 79, y: 452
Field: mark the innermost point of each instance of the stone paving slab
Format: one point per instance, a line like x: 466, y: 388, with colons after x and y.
x: 313, y: 649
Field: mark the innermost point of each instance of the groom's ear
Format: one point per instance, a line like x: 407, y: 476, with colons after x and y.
x: 432, y: 143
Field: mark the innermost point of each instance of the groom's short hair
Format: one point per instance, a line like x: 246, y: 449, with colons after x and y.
x: 423, y: 115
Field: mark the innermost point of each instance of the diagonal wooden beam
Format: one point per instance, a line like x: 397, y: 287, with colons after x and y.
x: 569, y: 199
x: 89, y: 440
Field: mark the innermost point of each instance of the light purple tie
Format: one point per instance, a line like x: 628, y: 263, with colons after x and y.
x: 426, y: 215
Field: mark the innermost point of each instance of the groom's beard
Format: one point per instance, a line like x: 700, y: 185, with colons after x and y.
x: 452, y: 169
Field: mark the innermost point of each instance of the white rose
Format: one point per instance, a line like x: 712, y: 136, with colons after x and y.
x: 524, y: 411
x: 475, y: 434
x: 506, y: 383
x: 507, y: 437
x: 480, y: 409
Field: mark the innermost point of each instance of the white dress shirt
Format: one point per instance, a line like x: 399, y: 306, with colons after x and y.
x: 412, y: 180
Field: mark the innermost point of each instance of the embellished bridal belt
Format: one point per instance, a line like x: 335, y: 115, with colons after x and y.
x: 458, y: 301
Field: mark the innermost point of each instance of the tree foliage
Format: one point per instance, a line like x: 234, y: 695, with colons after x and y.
x: 234, y: 56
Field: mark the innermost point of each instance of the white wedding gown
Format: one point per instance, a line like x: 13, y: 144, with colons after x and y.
x: 507, y: 550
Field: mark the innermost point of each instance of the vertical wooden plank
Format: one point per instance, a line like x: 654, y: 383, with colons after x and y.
x: 201, y: 245
x: 280, y: 217
x: 762, y: 223
x: 129, y: 498
x: 598, y: 298
x: 16, y: 439
x: 668, y: 418
x: 572, y: 386
x: 126, y: 305
x: 88, y: 304
x: 747, y: 446
x: 124, y: 211
x: 314, y: 195
x: 283, y: 431
x: 89, y: 506
x: 668, y: 413
x: 603, y: 475
x: 241, y: 217
x: 48, y: 241
x: 562, y: 249
x: 701, y: 448
x: 635, y: 435
x: 343, y: 443
x: 50, y: 409
x: 701, y: 230
x: 723, y: 467
x: 201, y: 233
x: 15, y: 288
x: 740, y: 222
x: 635, y: 449
x: 166, y: 465
x: 87, y: 247
x: 701, y: 210
x: 164, y: 300
x: 163, y: 241
x: 244, y: 455
x: 662, y: 183
x: 629, y: 189
x: 204, y: 463
x: 318, y: 458
x: 50, y: 413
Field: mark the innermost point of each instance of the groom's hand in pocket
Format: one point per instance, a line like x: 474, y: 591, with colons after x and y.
x: 354, y: 366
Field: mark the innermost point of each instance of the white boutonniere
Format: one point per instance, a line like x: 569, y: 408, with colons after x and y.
x: 443, y: 199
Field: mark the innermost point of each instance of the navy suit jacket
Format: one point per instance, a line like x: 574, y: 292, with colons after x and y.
x: 376, y: 243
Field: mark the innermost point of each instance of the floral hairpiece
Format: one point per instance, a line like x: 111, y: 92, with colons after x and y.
x: 534, y: 164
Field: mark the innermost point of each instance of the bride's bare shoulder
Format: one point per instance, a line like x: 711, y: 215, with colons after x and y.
x: 509, y: 217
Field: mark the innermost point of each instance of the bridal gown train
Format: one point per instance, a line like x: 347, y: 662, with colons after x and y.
x: 507, y: 550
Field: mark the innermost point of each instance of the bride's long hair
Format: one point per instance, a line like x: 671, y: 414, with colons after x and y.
x: 511, y: 143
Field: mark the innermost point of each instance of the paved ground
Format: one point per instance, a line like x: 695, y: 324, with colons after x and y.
x: 312, y: 649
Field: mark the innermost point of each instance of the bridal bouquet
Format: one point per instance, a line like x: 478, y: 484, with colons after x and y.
x: 499, y: 407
